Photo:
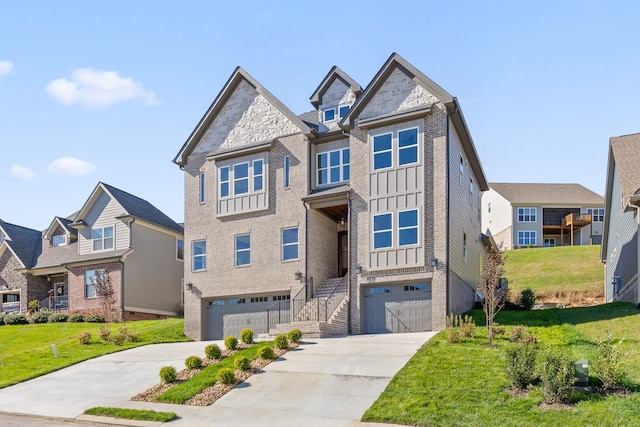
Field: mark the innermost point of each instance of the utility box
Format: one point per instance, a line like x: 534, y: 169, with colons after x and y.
x: 582, y: 373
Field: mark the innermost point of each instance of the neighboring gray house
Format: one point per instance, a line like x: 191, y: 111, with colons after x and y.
x: 139, y: 246
x: 527, y: 214
x: 619, y: 250
x: 361, y: 216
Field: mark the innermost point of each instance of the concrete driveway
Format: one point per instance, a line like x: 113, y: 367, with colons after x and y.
x: 325, y: 382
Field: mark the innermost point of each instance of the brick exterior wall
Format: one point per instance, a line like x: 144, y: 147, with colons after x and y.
x: 77, y: 300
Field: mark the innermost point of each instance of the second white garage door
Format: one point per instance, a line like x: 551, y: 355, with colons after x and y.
x: 397, y: 308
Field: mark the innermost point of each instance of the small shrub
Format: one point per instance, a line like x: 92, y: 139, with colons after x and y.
x: 118, y: 339
x: 231, y: 342
x: 226, y: 376
x: 499, y: 329
x: 95, y: 318
x: 212, y: 351
x: 295, y: 335
x: 246, y: 336
x: 557, y: 376
x: 193, y: 362
x: 266, y: 353
x: 84, y: 338
x: 104, y: 333
x: 521, y: 364
x: 2, y: 319
x: 76, y: 318
x: 129, y: 336
x: 526, y: 299
x: 607, y: 364
x: 281, y: 342
x: 168, y: 374
x: 518, y: 334
x: 40, y: 317
x: 15, y: 319
x: 58, y: 317
x: 241, y: 363
x: 453, y: 335
x: 32, y: 306
x: 467, y: 327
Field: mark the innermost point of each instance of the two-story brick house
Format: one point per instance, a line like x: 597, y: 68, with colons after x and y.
x: 361, y: 216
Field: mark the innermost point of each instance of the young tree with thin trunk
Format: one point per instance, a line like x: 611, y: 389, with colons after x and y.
x: 494, y: 296
x: 105, y: 292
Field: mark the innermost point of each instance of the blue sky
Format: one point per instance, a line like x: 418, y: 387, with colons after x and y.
x: 109, y: 91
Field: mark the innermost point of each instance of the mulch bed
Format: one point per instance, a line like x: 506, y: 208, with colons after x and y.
x: 211, y: 394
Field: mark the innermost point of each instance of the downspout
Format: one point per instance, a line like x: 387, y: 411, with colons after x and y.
x: 306, y: 225
x: 349, y: 253
x: 448, y: 190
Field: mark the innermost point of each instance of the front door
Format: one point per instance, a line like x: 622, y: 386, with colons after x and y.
x: 343, y: 253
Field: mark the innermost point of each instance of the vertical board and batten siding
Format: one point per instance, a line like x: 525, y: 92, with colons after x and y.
x: 463, y: 219
x: 393, y: 190
x: 248, y: 202
x: 499, y: 220
x: 152, y: 274
x: 622, y: 244
x: 103, y: 213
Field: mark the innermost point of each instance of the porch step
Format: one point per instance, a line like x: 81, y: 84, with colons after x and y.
x: 329, y: 285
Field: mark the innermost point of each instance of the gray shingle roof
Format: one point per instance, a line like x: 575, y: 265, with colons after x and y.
x: 551, y: 194
x: 24, y: 242
x: 140, y: 208
x: 68, y: 254
x: 626, y: 153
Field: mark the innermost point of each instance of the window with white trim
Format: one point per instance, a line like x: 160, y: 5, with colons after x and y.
x: 224, y: 181
x: 333, y: 166
x: 243, y: 249
x: 59, y: 240
x: 287, y: 172
x: 258, y: 175
x: 91, y: 278
x: 102, y: 238
x: 408, y: 227
x: 328, y: 115
x: 180, y: 249
x: 201, y: 187
x: 382, y: 231
x: 395, y: 149
x: 290, y: 244
x: 597, y: 214
x: 382, y: 151
x: 526, y: 238
x: 527, y: 214
x: 199, y: 255
x: 407, y: 146
x: 241, y: 178
x: 343, y: 110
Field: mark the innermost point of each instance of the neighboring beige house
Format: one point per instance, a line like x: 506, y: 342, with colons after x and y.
x: 526, y: 214
x: 619, y: 250
x: 125, y: 236
x: 361, y: 216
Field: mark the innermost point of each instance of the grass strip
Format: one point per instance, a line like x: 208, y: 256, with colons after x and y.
x: 207, y: 376
x: 132, y: 414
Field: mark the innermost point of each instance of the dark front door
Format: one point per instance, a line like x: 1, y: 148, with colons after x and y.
x: 343, y: 253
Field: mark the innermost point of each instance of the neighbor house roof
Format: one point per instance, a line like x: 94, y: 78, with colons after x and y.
x: 547, y: 194
x: 626, y: 154
x: 25, y: 243
x: 68, y: 255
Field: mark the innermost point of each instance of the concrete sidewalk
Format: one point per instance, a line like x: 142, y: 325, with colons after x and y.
x: 325, y: 382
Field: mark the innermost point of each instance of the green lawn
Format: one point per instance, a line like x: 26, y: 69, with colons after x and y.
x: 551, y: 270
x: 463, y: 384
x: 25, y: 350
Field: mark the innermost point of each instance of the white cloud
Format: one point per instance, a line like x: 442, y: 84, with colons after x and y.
x: 96, y: 88
x: 22, y: 173
x: 70, y: 166
x: 6, y: 67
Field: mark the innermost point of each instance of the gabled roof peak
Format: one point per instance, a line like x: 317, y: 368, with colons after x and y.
x: 334, y: 73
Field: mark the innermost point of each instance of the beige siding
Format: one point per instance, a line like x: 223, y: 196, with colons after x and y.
x: 152, y: 274
x: 499, y: 220
x: 103, y: 213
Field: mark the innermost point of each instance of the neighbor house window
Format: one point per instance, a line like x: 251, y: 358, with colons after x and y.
x: 329, y: 115
x: 382, y: 231
x: 407, y: 146
x: 199, y: 250
x: 243, y: 249
x: 224, y: 181
x: 90, y: 279
x: 526, y: 214
x: 201, y: 186
x: 597, y: 215
x: 461, y: 171
x: 333, y: 166
x: 489, y: 207
x: 290, y: 244
x: 59, y: 240
x: 408, y: 227
x: 526, y: 238
x: 382, y: 151
x: 287, y: 167
x: 470, y: 191
x: 102, y: 238
x: 180, y: 249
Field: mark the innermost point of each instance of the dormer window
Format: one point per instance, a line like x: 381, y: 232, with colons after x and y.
x: 102, y: 238
x: 59, y: 240
x: 329, y: 115
x: 342, y: 110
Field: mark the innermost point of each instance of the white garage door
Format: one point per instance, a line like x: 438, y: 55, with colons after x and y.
x: 398, y: 308
x: 227, y: 317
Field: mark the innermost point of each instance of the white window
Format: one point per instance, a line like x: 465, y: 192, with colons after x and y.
x: 290, y: 244
x: 91, y: 277
x: 343, y: 110
x: 242, y: 178
x: 549, y: 242
x: 180, y: 249
x: 382, y: 151
x: 243, y: 249
x: 287, y: 172
x: 102, y: 238
x: 333, y: 166
x: 199, y: 253
x: 59, y: 240
x: 597, y: 215
x: 402, y: 145
x: 407, y: 146
x: 224, y: 181
x: 526, y: 238
x: 382, y: 231
x: 527, y: 214
x: 201, y: 187
x: 328, y: 115
x: 408, y: 227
